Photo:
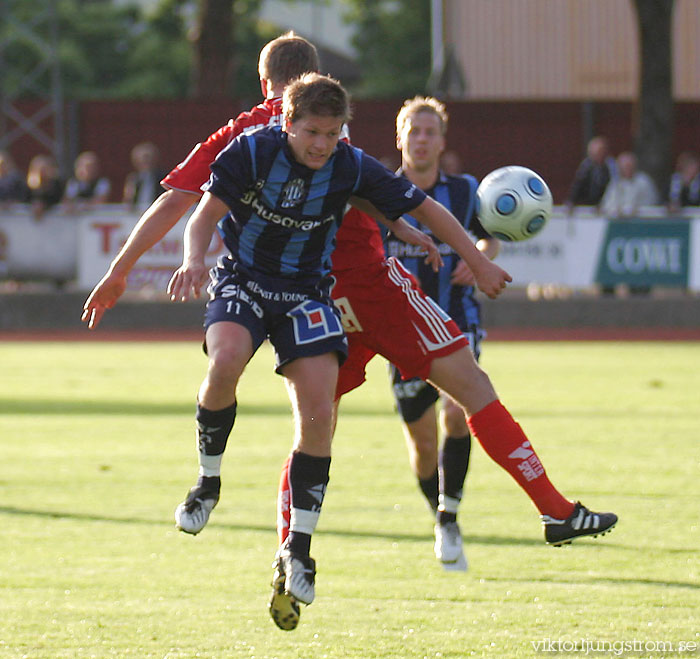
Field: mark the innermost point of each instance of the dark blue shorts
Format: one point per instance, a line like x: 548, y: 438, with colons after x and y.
x: 300, y: 320
x: 413, y: 397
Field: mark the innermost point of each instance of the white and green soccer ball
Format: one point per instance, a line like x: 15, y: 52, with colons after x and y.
x: 513, y: 203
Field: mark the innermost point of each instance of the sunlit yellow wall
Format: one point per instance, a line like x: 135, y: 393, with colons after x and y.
x: 563, y: 49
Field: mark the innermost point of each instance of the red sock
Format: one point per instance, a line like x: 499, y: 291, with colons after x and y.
x: 283, y: 503
x: 506, y: 444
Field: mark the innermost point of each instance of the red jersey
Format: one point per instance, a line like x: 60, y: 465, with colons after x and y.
x: 193, y: 172
x: 358, y: 241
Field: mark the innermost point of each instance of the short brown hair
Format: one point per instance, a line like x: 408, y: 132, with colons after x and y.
x: 421, y: 104
x: 315, y: 94
x: 287, y: 57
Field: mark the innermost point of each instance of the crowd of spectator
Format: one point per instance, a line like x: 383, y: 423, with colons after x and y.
x: 614, y: 187
x: 42, y: 186
x: 618, y: 188
x: 684, y: 189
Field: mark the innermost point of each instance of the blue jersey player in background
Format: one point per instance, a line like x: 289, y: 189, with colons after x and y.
x: 420, y: 129
x: 283, y: 193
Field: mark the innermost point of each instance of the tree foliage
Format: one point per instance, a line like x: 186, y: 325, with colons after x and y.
x: 392, y: 39
x: 115, y: 51
x: 206, y: 48
x: 108, y: 50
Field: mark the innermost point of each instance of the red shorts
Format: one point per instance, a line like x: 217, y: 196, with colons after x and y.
x: 384, y: 312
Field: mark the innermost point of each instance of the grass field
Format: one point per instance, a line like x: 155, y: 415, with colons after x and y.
x: 98, y: 447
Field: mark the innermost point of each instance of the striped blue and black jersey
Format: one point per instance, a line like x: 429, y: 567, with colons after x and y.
x: 284, y: 216
x: 458, y: 194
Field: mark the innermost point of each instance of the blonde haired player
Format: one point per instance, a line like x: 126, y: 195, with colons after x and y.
x: 421, y: 126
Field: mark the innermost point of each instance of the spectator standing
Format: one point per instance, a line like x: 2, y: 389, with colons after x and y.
x: 451, y: 163
x: 592, y: 175
x: 45, y: 186
x: 12, y: 185
x: 87, y: 187
x: 142, y: 186
x: 684, y: 188
x: 624, y: 196
x: 629, y: 190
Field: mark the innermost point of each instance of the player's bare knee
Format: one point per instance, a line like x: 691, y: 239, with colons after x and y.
x: 483, y: 382
x: 455, y: 421
x: 425, y: 447
x: 422, y: 444
x: 320, y: 413
x: 314, y: 429
x: 225, y: 364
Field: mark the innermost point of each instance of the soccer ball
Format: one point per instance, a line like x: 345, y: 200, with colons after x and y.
x: 513, y: 203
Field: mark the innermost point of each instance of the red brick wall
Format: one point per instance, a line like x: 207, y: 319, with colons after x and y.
x: 548, y: 137
x: 545, y: 136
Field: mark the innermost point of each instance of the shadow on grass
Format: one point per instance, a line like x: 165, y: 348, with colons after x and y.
x: 589, y: 580
x: 55, y: 406
x: 51, y: 406
x: 391, y: 536
x: 406, y: 537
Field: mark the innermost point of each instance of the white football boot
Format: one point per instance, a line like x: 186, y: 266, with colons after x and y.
x: 448, y: 547
x: 192, y: 515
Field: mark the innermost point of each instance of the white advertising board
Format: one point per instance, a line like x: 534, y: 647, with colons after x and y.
x: 101, y: 237
x: 571, y: 251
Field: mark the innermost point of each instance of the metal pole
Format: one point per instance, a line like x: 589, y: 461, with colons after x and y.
x: 437, y: 41
x: 57, y: 94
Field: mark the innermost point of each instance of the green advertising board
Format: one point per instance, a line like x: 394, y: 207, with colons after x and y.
x: 642, y: 252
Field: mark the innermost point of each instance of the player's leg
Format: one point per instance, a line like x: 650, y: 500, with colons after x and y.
x: 453, y: 461
x: 229, y: 347
x: 284, y: 492
x: 310, y: 344
x: 311, y: 383
x: 460, y: 376
x: 453, y: 464
x: 422, y: 444
x: 415, y: 402
x: 400, y: 323
x: 505, y: 442
x: 441, y: 481
x: 284, y: 609
x: 234, y: 329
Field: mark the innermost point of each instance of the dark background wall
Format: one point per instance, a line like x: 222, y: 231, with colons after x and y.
x: 660, y: 316
x: 547, y: 136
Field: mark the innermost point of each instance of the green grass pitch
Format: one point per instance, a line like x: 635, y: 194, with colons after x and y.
x: 97, y: 448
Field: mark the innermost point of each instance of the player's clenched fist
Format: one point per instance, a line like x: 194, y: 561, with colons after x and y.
x: 492, y: 279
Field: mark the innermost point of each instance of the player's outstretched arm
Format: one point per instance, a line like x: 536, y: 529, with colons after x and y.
x: 193, y: 273
x: 408, y: 234
x: 403, y: 231
x: 161, y: 216
x: 462, y: 275
x: 490, y: 278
